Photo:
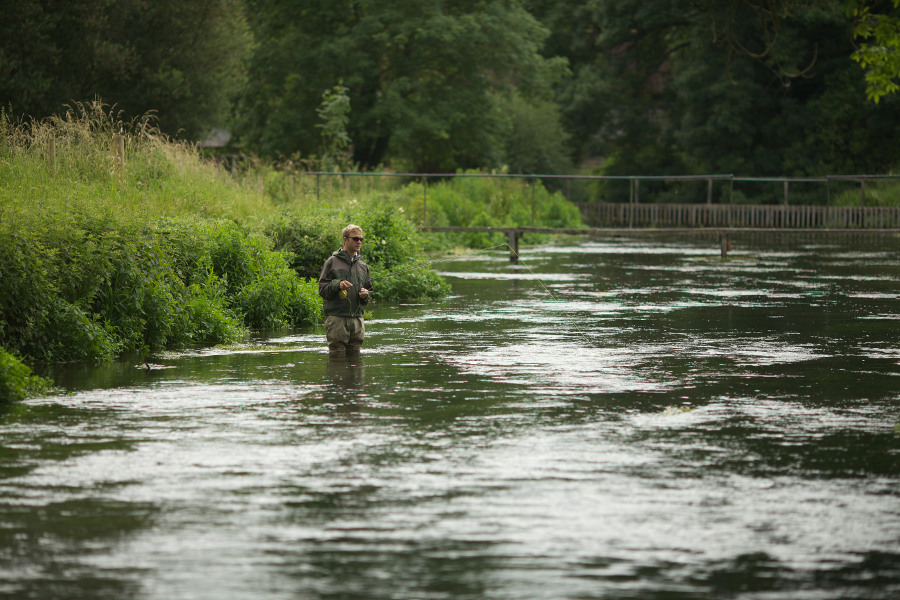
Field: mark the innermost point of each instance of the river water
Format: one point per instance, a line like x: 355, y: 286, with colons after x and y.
x: 616, y: 418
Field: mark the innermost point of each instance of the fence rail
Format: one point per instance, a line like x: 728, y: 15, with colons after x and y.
x: 636, y: 211
x: 598, y: 214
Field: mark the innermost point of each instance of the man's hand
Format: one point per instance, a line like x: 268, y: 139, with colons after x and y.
x: 363, y: 293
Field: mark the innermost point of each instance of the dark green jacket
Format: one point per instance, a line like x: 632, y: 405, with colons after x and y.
x: 338, y: 267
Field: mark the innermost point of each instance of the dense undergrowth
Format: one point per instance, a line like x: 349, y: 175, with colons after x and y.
x: 102, y: 257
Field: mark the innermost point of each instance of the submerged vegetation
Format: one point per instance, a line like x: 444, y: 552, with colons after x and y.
x: 115, y: 240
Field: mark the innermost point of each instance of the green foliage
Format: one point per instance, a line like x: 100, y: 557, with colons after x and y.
x: 392, y: 243
x: 391, y: 238
x: 423, y: 75
x: 309, y: 239
x: 275, y: 297
x: 744, y: 87
x: 414, y: 281
x: 17, y: 381
x: 879, y: 52
x: 89, y: 267
x: 535, y: 141
x: 480, y: 200
x: 878, y: 193
x: 182, y: 59
x: 334, y: 116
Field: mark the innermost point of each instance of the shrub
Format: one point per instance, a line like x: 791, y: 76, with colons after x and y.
x: 308, y: 238
x: 16, y: 380
x: 26, y: 288
x: 391, y: 238
x: 418, y: 283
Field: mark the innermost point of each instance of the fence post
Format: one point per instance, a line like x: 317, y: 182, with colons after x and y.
x: 634, y: 193
x: 425, y: 201
x: 862, y: 192
x: 532, y: 202
x: 709, y: 190
x: 513, y: 236
x: 786, y: 186
x: 119, y: 149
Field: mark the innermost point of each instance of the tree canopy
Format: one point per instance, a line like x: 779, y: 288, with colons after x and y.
x: 749, y: 87
x: 182, y: 59
x: 434, y: 85
x: 794, y: 87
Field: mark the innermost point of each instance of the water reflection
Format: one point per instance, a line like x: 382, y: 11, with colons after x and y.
x: 345, y: 379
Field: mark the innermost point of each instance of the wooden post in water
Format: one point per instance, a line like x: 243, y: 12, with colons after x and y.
x: 513, y: 237
x: 724, y: 243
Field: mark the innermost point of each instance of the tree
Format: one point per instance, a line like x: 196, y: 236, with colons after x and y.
x: 180, y: 58
x: 879, y: 52
x: 334, y: 114
x: 755, y: 87
x: 428, y: 79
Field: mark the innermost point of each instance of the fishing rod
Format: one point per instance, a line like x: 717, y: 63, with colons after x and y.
x: 518, y: 259
x: 431, y: 262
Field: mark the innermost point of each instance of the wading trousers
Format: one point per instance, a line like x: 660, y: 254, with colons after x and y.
x: 344, y: 335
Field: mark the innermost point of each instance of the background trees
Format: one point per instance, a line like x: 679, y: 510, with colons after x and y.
x: 434, y: 86
x: 729, y: 86
x: 182, y: 59
x: 751, y: 87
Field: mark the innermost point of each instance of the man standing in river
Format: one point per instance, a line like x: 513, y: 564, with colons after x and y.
x: 345, y: 286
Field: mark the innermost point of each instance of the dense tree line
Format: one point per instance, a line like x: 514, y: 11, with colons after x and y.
x: 749, y: 87
x: 183, y: 59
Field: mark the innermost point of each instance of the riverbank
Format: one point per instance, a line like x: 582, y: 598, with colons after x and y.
x: 116, y: 240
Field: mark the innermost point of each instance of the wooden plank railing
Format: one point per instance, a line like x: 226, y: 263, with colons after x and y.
x: 597, y: 214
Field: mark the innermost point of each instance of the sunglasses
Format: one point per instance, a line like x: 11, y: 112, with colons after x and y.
x: 355, y: 239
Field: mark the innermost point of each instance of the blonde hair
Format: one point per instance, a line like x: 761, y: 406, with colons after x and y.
x: 350, y: 229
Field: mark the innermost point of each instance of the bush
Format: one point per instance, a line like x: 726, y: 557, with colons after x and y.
x: 308, y: 238
x: 26, y: 288
x: 391, y: 238
x: 418, y: 283
x: 276, y: 298
x: 17, y: 381
x: 72, y: 293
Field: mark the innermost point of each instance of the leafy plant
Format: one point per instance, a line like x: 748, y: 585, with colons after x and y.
x: 17, y: 381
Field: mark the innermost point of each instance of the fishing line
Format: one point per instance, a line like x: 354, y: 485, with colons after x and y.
x: 519, y: 261
x: 552, y: 295
x: 421, y: 263
x: 431, y: 262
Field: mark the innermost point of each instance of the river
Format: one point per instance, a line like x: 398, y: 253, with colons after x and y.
x: 618, y: 418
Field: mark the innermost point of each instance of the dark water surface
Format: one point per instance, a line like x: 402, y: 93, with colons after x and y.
x: 621, y: 418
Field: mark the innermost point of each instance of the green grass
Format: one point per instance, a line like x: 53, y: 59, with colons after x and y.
x: 103, y: 256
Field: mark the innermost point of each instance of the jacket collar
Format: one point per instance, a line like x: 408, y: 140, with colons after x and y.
x: 341, y: 253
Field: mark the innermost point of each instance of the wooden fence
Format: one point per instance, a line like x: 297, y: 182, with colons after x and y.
x: 597, y: 214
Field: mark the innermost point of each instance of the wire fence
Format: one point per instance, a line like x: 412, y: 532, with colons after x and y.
x: 716, y: 188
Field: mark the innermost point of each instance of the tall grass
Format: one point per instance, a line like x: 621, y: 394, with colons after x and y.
x: 100, y: 258
x: 103, y: 254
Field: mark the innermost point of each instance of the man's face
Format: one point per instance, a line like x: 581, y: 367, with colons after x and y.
x: 353, y: 242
